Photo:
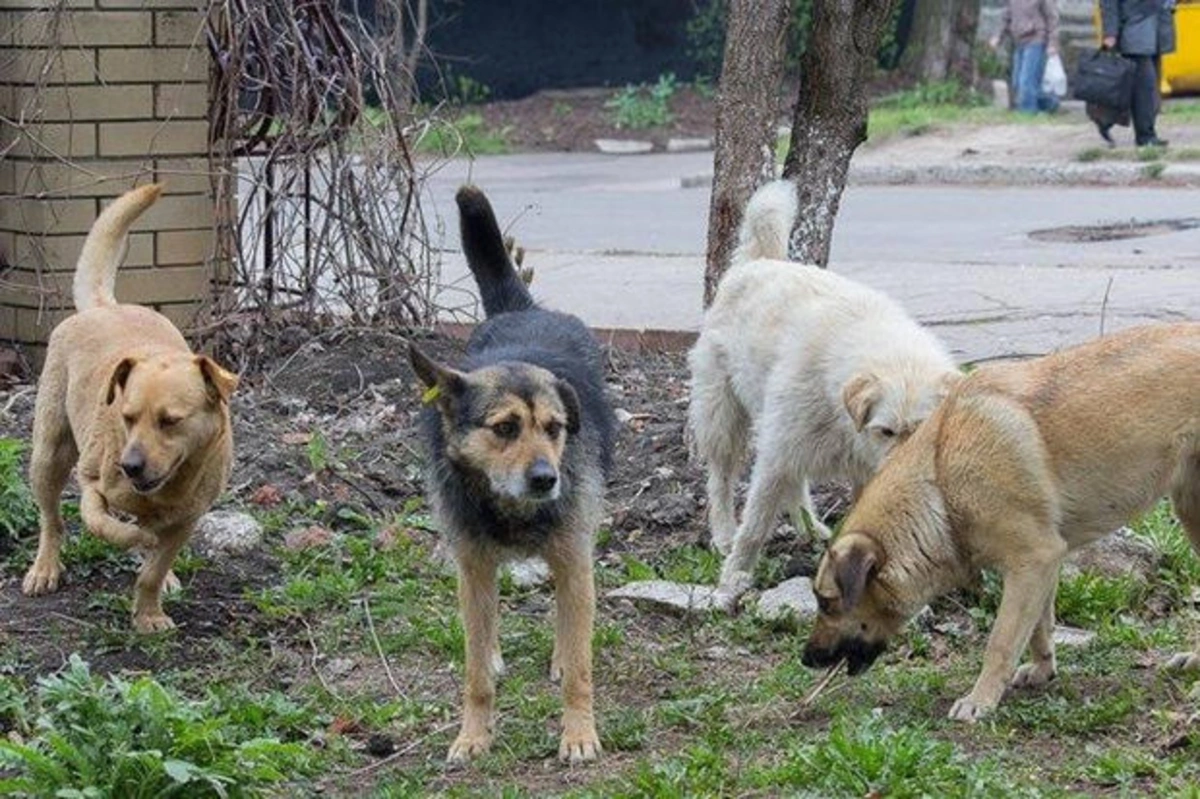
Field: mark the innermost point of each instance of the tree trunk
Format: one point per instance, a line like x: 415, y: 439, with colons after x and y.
x: 941, y: 42
x: 831, y: 115
x: 747, y: 103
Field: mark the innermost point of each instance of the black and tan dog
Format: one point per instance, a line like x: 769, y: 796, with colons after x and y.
x: 520, y: 439
x: 1021, y: 464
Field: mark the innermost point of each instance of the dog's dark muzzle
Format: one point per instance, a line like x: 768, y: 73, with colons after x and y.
x: 858, y: 654
x: 542, y: 477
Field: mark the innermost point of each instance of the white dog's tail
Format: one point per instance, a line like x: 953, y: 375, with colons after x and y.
x: 105, y: 246
x: 767, y: 223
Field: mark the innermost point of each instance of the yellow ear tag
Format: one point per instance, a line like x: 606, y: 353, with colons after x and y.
x: 431, y: 394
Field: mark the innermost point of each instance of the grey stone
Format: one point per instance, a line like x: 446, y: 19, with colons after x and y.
x: 685, y: 145
x: 223, y: 532
x: 791, y: 597
x: 671, y: 510
x: 1072, y: 636
x: 624, y: 146
x: 1000, y: 94
x: 672, y: 597
x: 340, y: 667
x: 1118, y: 555
x: 529, y: 573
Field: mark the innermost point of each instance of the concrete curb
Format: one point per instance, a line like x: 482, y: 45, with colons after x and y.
x: 995, y: 174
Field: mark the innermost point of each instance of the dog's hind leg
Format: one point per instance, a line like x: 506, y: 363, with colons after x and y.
x: 1185, y: 496
x: 479, y: 603
x: 774, y: 479
x: 720, y: 428
x: 54, y: 453
x: 570, y: 561
x: 1042, y: 666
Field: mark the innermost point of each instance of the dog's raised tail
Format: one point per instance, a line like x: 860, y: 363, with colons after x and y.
x: 767, y: 223
x: 500, y: 287
x: 105, y: 246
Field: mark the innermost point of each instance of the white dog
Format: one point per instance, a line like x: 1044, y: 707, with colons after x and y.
x: 830, y: 374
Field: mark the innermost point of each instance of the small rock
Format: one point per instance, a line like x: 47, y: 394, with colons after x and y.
x: 380, y: 745
x: 672, y: 597
x: 223, y: 532
x: 340, y: 667
x: 1000, y: 94
x: 671, y: 510
x: 623, y: 416
x: 308, y: 538
x: 794, y: 596
x: 1118, y: 555
x: 1072, y: 636
x: 623, y: 146
x: 689, y: 145
x: 529, y: 573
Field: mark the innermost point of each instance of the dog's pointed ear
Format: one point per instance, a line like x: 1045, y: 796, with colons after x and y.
x: 442, y: 384
x: 855, y: 563
x: 120, y: 377
x: 570, y: 401
x: 859, y: 395
x: 219, y: 382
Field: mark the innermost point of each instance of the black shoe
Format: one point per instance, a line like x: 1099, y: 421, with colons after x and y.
x: 1105, y: 134
x: 1153, y: 141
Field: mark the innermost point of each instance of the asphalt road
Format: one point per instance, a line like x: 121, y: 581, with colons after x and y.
x: 617, y: 241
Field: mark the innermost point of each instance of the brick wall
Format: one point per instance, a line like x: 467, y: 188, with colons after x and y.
x: 95, y: 99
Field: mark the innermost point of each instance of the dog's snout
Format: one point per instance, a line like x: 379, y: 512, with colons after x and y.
x: 133, y: 463
x: 542, y: 476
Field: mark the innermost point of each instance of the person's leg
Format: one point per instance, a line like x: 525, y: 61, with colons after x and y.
x: 1145, y: 98
x: 1027, y: 76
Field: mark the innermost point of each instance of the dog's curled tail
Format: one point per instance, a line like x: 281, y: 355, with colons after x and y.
x: 500, y: 287
x: 767, y: 223
x: 105, y: 246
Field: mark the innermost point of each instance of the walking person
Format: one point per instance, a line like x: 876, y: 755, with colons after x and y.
x: 1141, y: 31
x: 1033, y: 27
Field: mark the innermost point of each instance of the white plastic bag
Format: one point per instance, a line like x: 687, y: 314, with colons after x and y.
x: 1054, y: 79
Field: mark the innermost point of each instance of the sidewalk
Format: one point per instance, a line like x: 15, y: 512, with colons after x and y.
x: 620, y: 242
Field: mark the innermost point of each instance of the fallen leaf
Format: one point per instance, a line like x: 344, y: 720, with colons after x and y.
x: 267, y: 495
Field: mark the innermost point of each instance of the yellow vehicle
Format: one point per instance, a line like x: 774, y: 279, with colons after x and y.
x: 1180, y: 69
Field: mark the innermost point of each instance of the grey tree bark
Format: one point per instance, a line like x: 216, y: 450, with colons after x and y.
x: 747, y: 105
x: 830, y: 119
x: 941, y: 42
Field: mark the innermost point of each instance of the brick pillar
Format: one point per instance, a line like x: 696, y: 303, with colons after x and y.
x: 95, y: 99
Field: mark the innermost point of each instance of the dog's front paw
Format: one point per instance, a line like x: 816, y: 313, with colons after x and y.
x: 468, y: 746
x: 731, y: 589
x: 1183, y: 661
x: 42, y: 578
x: 153, y: 622
x: 970, y: 710
x: 1034, y: 675
x: 171, y: 584
x: 580, y: 742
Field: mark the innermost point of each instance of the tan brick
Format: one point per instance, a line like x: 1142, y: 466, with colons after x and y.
x: 49, y: 66
x: 182, y: 314
x: 8, y: 176
x: 181, y: 101
x: 184, y: 246
x: 79, y: 178
x: 25, y: 288
x: 83, y: 103
x: 40, y: 5
x: 59, y: 253
x: 89, y: 29
x: 49, y: 140
x: 33, y: 324
x: 8, y: 250
x: 178, y: 212
x: 163, y: 284
x: 148, y: 4
x: 179, y: 28
x: 47, y: 216
x: 159, y: 64
x: 184, y: 175
x: 167, y: 137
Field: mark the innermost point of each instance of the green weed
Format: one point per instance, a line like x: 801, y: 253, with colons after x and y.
x: 468, y: 135
x: 17, y: 511
x: 638, y: 107
x: 82, y: 736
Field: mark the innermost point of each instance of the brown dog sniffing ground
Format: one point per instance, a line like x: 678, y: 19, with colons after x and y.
x: 145, y: 418
x: 1020, y: 464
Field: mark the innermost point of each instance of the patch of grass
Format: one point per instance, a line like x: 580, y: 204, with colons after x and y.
x: 639, y: 107
x: 17, y: 511
x: 1091, y: 600
x: 81, y: 736
x: 467, y: 134
x: 1180, y: 565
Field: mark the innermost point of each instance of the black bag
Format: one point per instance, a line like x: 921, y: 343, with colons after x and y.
x: 1105, y: 78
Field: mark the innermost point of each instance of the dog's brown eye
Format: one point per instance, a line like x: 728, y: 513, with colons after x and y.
x: 506, y: 429
x: 887, y: 432
x: 129, y: 419
x: 167, y: 421
x: 553, y: 429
